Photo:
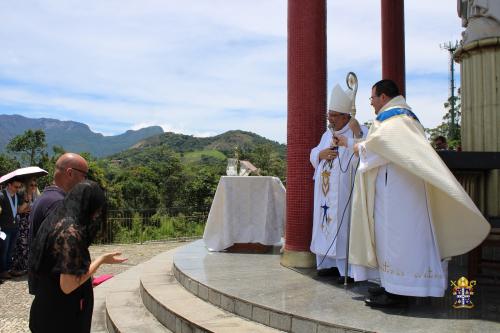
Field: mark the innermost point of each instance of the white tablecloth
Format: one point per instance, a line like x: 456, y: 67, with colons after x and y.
x: 246, y: 210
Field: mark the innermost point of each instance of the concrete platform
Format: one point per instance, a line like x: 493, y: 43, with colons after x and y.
x: 181, y: 311
x: 148, y: 298
x: 257, y: 287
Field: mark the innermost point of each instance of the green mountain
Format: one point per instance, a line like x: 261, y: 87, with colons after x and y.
x: 194, y: 153
x: 225, y: 142
x: 72, y: 136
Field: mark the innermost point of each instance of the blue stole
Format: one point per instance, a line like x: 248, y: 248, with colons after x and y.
x: 13, y: 205
x: 396, y: 112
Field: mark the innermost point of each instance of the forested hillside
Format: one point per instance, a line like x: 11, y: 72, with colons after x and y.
x: 225, y: 143
x: 162, y: 186
x: 168, y: 171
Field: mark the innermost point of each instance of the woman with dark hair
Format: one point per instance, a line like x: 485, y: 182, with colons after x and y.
x: 60, y: 263
x: 29, y: 194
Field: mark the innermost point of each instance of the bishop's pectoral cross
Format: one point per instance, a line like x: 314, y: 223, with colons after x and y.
x: 325, y: 182
x: 325, y: 220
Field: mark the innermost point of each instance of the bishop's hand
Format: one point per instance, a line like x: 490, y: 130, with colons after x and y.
x: 327, y: 154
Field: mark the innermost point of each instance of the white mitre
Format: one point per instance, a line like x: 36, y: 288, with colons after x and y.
x: 340, y: 100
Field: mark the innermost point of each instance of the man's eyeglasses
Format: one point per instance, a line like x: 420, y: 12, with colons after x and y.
x: 85, y: 174
x: 33, y: 185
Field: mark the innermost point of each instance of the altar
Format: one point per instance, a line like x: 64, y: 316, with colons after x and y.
x: 246, y: 210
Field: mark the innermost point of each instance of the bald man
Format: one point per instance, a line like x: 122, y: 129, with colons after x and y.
x: 70, y: 170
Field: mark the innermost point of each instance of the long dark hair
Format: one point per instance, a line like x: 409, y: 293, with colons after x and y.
x: 84, y: 206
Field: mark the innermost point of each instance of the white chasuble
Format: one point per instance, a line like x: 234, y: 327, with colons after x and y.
x: 333, y: 183
x: 406, y: 248
x: 409, y: 212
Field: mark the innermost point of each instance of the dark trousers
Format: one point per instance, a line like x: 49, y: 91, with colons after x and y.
x: 7, y: 250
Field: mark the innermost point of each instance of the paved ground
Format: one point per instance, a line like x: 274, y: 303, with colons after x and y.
x: 15, y: 301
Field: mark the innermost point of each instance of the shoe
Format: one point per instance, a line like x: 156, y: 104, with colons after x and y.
x: 332, y: 271
x: 5, y: 275
x: 341, y: 280
x: 375, y: 291
x: 387, y: 300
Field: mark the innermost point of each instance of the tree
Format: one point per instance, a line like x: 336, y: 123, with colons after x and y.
x: 450, y: 127
x: 453, y: 118
x: 7, y: 164
x: 29, y: 143
x: 267, y: 159
x: 200, y: 186
x: 139, y: 195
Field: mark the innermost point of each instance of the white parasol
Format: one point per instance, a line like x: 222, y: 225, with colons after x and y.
x: 32, y: 171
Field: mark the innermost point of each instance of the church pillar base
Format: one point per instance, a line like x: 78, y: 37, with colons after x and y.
x: 298, y: 259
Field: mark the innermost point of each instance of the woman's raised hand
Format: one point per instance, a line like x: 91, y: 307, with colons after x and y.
x: 112, y: 258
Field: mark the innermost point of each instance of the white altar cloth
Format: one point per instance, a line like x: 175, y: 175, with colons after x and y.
x: 246, y: 210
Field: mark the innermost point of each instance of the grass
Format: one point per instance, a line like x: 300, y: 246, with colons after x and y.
x: 195, y: 156
x: 158, y: 228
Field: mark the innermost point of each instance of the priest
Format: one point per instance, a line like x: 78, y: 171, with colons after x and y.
x: 409, y: 213
x: 333, y: 182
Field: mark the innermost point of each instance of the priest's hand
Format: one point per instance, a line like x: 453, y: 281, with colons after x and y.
x: 340, y: 140
x: 356, y: 149
x: 327, y: 154
x: 355, y: 127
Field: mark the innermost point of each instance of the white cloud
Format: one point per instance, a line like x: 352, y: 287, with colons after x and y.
x: 355, y: 45
x: 198, y: 67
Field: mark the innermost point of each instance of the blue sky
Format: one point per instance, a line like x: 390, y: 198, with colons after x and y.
x: 199, y: 67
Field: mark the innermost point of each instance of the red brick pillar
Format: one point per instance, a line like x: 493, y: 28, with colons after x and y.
x: 306, y: 122
x: 393, y: 42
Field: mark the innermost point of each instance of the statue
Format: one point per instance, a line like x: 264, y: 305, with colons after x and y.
x: 481, y: 18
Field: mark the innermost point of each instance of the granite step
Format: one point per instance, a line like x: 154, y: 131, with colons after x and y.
x: 125, y: 312
x: 127, y: 281
x: 118, y: 306
x: 180, y: 310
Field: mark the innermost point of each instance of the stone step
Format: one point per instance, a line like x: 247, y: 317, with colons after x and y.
x: 118, y: 306
x: 125, y: 312
x: 181, y: 311
x: 127, y: 281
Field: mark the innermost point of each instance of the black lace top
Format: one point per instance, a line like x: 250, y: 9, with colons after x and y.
x: 70, y: 252
x: 61, y: 247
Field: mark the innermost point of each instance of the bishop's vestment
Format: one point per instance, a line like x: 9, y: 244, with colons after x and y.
x: 333, y: 182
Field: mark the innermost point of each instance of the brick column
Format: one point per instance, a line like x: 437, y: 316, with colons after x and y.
x: 393, y: 42
x: 306, y: 122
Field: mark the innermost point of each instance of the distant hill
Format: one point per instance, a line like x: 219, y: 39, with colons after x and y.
x: 71, y: 135
x: 225, y: 142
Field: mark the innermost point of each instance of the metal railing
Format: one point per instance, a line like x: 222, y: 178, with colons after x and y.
x: 138, y: 226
